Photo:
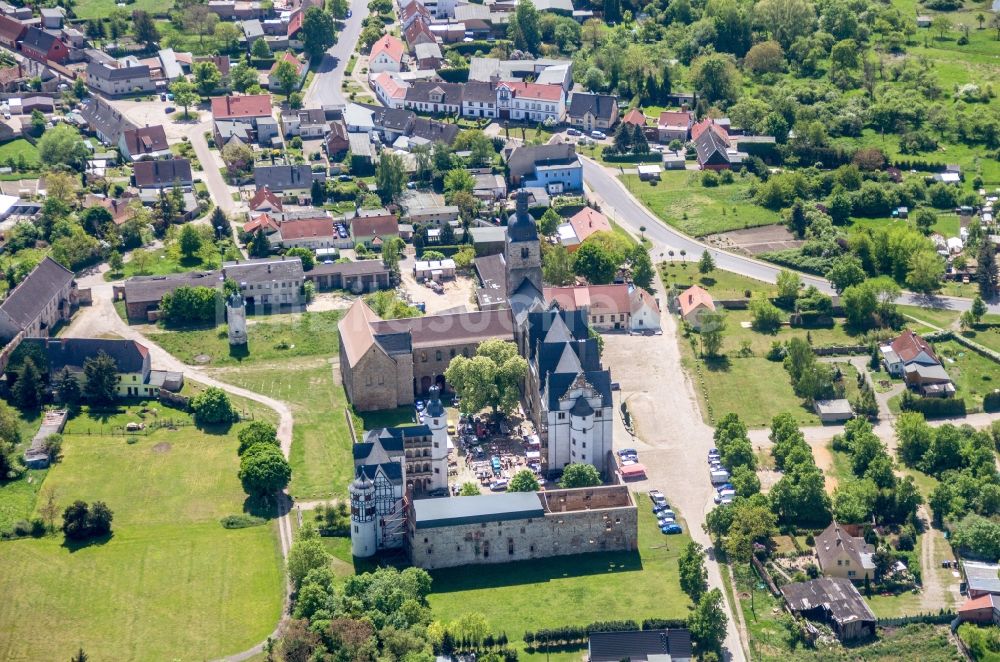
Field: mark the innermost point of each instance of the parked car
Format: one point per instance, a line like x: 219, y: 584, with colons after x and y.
x: 598, y: 135
x: 656, y: 496
x: 660, y: 508
x: 441, y: 492
x: 498, y: 486
x: 169, y: 109
x: 350, y: 13
x: 724, y: 486
x: 572, y: 132
x: 671, y: 529
x: 724, y: 494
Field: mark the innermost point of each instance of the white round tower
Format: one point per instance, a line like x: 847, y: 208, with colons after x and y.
x: 436, y: 419
x: 364, y: 528
x: 236, y: 316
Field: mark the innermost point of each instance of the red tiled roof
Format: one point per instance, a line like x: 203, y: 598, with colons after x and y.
x: 288, y: 57
x: 377, y: 226
x: 390, y: 46
x: 599, y: 299
x: 11, y: 29
x: 241, y: 106
x: 295, y: 23
x: 908, y: 345
x: 534, y: 90
x: 674, y: 118
x: 264, y: 194
x: 393, y: 88
x: 304, y: 228
x: 587, y: 221
x: 705, y: 125
x: 635, y: 117
x: 263, y: 221
x: 693, y: 297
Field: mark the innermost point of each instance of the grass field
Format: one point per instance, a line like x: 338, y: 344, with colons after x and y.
x: 721, y: 284
x: 88, y: 9
x: 753, y: 388
x: 270, y: 338
x: 681, y: 201
x: 516, y: 597
x: 974, y: 374
x: 18, y: 148
x: 939, y: 317
x: 321, y: 447
x: 760, y: 343
x: 170, y: 583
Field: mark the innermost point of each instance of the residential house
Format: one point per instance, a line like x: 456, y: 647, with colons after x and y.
x: 581, y: 225
x: 44, y: 46
x: 265, y: 223
x: 390, y: 89
x: 592, y: 111
x: 418, y: 33
x: 832, y: 600
x: 428, y: 131
x: 242, y: 107
x: 267, y: 282
x: 136, y: 378
x: 413, y: 11
x: 842, y: 552
x: 44, y: 298
x: 221, y: 62
x: 607, y: 307
x: 123, y: 79
x: 428, y: 55
x: 386, y: 55
x: 427, y: 209
x: 693, y: 304
x: 149, y: 142
x: 488, y: 240
x: 161, y: 174
x: 11, y: 32
x: 981, y: 578
x: 357, y: 277
x: 312, y: 233
x: 307, y: 123
x: 52, y: 17
x: 640, y: 646
x: 225, y: 130
x: 674, y: 125
x: 434, y: 97
x: 479, y: 99
x: 635, y: 117
x: 301, y: 68
x: 909, y: 356
x: 645, y: 312
x: 252, y: 30
x: 104, y: 121
x: 556, y: 167
x: 142, y: 294
x: 489, y: 187
x: 120, y: 209
x: 264, y: 200
x: 711, y: 142
x: 287, y: 179
x: 367, y: 228
x: 984, y: 610
x: 532, y: 102
x: 337, y: 140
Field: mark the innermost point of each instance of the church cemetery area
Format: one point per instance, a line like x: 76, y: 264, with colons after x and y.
x: 171, y: 579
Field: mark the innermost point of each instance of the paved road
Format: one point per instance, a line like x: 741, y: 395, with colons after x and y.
x: 628, y: 211
x: 325, y: 87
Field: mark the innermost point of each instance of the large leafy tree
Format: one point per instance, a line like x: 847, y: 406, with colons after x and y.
x: 62, y: 146
x: 580, y: 475
x: 707, y: 621
x: 207, y: 77
x: 212, y: 406
x: 390, y: 176
x: 523, y: 481
x: 257, y: 432
x: 101, y: 374
x: 693, y: 575
x: 264, y: 470
x: 29, y: 389
x: 491, y: 378
x: 185, y: 93
x: 317, y: 32
x: 307, y: 554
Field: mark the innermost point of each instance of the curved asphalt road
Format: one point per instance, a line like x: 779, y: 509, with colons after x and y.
x: 325, y: 87
x: 628, y: 211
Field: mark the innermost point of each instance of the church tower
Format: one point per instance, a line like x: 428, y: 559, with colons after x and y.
x: 522, y: 252
x: 236, y: 316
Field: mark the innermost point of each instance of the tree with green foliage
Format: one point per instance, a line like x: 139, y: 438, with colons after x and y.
x: 986, y: 270
x: 753, y: 523
x: 212, y: 407
x: 846, y: 271
x: 257, y: 432
x: 788, y: 285
x: 190, y: 305
x: 115, y: 262
x: 285, y: 74
x: 745, y: 482
x: 259, y: 246
x: 548, y: 224
x: 491, y: 378
x: 579, y: 475
x: 390, y: 176
x: 765, y: 316
x: 207, y: 77
x: 523, y: 481
x: 978, y: 309
x: 926, y: 272
x: 716, y: 78
x: 189, y: 241
x: 144, y: 28
x: 185, y: 94
x: 304, y: 254
x: 101, y: 374
x: 693, y: 575
x: 308, y: 553
x: 925, y: 219
x: 29, y: 389
x: 707, y: 621
x: 318, y: 193
x: 264, y: 470
x: 641, y: 267
x: 469, y: 489
x: 713, y: 324
x: 80, y: 656
x: 558, y: 266
x: 598, y: 258
x: 706, y: 264
x: 68, y: 388
x: 318, y: 32
x: 228, y: 35
x: 243, y: 76
x: 523, y: 28
x: 62, y: 146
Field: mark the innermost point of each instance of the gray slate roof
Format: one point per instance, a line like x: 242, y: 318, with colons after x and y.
x: 599, y: 105
x: 26, y: 301
x: 523, y: 159
x: 836, y: 596
x: 104, y: 72
x: 256, y: 271
x: 639, y: 645
x: 281, y: 177
x: 73, y: 352
x: 982, y: 577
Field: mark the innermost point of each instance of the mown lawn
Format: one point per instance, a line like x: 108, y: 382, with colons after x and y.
x: 517, y: 597
x: 321, y: 446
x: 171, y: 582
x: 270, y: 338
x: 19, y: 148
x: 721, y: 284
x: 680, y: 200
x: 88, y: 9
x: 753, y: 388
x: 974, y: 374
x: 735, y: 334
x: 939, y: 317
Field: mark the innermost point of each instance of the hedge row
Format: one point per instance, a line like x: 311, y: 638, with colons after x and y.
x: 648, y: 157
x: 570, y: 634
x: 932, y: 407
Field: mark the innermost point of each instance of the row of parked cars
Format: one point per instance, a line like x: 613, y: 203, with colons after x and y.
x: 665, y: 517
x: 724, y: 492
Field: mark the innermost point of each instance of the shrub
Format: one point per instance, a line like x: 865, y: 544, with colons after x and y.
x: 991, y: 402
x: 242, y: 521
x: 37, y: 527
x: 212, y: 406
x: 22, y: 528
